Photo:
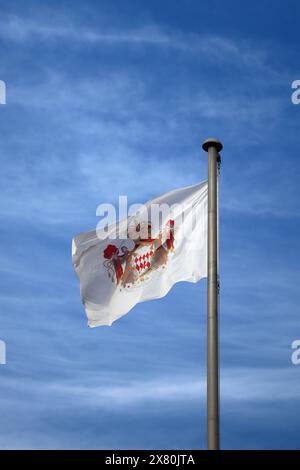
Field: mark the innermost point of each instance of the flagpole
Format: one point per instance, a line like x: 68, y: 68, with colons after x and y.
x: 213, y: 147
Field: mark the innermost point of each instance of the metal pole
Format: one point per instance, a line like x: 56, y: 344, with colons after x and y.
x: 213, y: 147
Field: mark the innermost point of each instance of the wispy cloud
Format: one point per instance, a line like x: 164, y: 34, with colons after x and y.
x: 252, y: 384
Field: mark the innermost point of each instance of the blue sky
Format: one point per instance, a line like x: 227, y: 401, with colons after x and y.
x: 115, y: 97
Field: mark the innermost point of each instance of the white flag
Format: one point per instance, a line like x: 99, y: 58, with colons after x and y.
x: 144, y: 255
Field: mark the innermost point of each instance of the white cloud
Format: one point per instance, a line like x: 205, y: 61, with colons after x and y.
x: 215, y: 48
x: 237, y: 385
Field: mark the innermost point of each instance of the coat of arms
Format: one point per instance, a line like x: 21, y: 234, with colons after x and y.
x: 130, y: 266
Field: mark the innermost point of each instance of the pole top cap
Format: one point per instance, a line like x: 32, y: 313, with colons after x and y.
x: 212, y: 142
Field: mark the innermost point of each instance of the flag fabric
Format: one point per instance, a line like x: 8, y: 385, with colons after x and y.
x: 117, y: 272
